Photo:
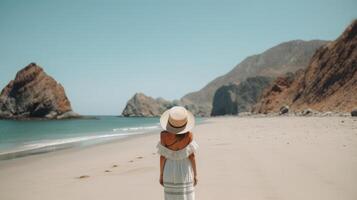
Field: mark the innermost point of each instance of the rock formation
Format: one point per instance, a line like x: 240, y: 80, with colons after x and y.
x: 278, y: 94
x: 235, y: 98
x: 354, y: 112
x: 34, y: 94
x: 329, y: 83
x: 141, y: 105
x: 278, y: 60
x: 284, y: 110
x: 286, y: 57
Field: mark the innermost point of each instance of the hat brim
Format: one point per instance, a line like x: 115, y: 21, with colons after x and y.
x: 166, y: 126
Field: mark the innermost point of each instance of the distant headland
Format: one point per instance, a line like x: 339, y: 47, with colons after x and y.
x: 309, y: 77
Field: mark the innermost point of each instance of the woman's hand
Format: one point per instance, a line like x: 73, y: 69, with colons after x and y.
x: 195, y: 181
x: 161, y: 180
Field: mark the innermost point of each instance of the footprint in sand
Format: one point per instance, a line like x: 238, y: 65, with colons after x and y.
x: 131, y: 161
x: 114, y: 166
x: 83, y: 176
x: 139, y: 157
x: 107, y: 170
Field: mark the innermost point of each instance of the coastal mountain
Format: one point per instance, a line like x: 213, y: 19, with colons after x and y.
x: 235, y: 98
x: 285, y: 57
x: 278, y: 60
x: 329, y: 83
x: 141, y: 105
x: 279, y: 94
x: 34, y: 94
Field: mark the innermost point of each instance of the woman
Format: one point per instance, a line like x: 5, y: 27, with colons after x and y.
x: 177, y: 148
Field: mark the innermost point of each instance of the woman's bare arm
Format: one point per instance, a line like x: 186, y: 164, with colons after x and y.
x: 193, y: 162
x: 162, y: 160
x: 162, y: 164
x: 193, y: 159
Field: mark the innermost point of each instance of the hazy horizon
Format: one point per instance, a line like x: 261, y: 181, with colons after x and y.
x: 103, y: 52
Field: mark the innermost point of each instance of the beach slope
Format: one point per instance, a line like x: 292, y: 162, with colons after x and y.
x: 239, y: 158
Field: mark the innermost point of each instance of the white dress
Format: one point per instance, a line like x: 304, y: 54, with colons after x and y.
x: 178, y: 173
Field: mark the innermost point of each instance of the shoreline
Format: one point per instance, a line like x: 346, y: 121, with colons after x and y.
x: 16, y: 154
x: 73, y: 149
x: 84, y: 141
x: 77, y: 145
x: 242, y: 157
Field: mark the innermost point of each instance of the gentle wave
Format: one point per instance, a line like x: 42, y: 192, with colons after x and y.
x: 44, y: 146
x: 70, y: 140
x: 57, y: 144
x: 136, y: 128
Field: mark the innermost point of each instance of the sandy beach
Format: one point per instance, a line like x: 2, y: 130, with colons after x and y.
x: 239, y: 158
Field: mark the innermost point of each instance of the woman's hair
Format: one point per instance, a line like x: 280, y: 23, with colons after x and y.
x: 181, y: 136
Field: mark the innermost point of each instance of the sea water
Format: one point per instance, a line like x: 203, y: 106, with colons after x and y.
x: 26, y: 137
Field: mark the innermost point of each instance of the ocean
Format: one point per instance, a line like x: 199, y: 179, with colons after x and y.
x: 27, y: 137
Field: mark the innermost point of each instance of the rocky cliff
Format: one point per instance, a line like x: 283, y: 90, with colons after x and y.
x: 279, y: 94
x: 141, y: 105
x: 278, y: 60
x: 34, y: 94
x: 329, y: 83
x: 286, y: 57
x: 235, y: 98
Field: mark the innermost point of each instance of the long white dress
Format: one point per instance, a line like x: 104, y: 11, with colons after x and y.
x: 178, y: 173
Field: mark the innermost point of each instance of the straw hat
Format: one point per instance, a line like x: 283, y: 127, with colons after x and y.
x: 177, y: 120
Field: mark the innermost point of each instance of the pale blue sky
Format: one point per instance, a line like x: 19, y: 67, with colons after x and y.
x: 103, y: 52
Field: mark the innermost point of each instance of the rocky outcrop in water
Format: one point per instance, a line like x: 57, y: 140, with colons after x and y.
x: 235, y: 98
x: 329, y: 83
x: 141, y: 105
x: 34, y: 94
